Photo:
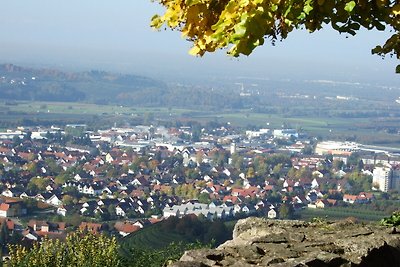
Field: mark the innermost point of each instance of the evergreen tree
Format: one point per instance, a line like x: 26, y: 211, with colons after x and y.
x: 4, y: 234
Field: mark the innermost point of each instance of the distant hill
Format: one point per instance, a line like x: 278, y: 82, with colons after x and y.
x: 20, y: 83
x: 329, y: 98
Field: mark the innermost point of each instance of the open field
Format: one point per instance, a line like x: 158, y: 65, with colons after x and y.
x: 78, y: 108
x: 342, y: 213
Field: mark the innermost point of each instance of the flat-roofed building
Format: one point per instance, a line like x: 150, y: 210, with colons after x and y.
x: 336, y: 148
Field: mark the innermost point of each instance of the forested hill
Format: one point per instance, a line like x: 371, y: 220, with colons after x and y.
x: 20, y: 83
x: 323, y: 97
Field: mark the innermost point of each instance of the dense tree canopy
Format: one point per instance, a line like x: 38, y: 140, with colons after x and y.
x: 243, y: 25
x: 79, y: 249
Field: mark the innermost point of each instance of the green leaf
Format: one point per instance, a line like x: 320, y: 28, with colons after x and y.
x: 376, y: 50
x: 351, y: 32
x: 302, y: 16
x: 350, y: 6
x: 398, y: 69
x: 156, y: 22
x: 192, y: 2
x: 240, y: 31
x: 379, y: 26
x: 354, y: 26
x: 307, y: 9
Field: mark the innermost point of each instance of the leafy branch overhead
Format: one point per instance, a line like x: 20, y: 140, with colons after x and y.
x: 242, y: 25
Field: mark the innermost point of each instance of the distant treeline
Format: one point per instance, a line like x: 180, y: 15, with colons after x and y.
x: 46, y: 91
x: 19, y: 83
x: 286, y: 99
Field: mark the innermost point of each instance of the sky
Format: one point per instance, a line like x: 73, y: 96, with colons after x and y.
x: 115, y: 36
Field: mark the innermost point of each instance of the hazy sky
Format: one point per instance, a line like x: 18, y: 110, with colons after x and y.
x: 115, y: 35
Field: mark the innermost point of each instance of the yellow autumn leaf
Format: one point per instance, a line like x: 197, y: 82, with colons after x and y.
x: 194, y: 51
x: 396, y: 9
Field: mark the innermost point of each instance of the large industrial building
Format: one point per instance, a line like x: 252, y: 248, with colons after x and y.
x: 336, y: 148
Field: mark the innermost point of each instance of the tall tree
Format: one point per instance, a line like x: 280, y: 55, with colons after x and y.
x: 244, y: 25
x: 286, y: 211
x: 4, y: 234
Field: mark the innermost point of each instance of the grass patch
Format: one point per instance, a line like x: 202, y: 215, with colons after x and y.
x: 339, y: 213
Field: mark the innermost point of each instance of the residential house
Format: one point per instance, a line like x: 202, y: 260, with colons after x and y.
x: 44, y: 226
x: 361, y: 198
x: 122, y: 209
x: 30, y: 235
x: 311, y: 197
x: 11, y: 209
x: 107, y: 202
x: 93, y: 189
x: 54, y: 200
x: 272, y: 214
x: 322, y: 203
x: 91, y: 227
x: 62, y: 210
x: 241, y: 208
x: 126, y: 228
x: 11, y: 192
x: 197, y: 209
x: 314, y: 183
x: 88, y: 207
x: 43, y: 196
x: 142, y: 223
x: 350, y: 198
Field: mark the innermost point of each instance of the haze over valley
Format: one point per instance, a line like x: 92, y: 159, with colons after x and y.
x: 117, y: 141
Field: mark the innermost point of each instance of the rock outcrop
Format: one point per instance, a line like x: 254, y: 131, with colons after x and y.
x: 262, y: 242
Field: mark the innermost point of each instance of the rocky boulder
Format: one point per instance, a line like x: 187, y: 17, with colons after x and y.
x: 263, y: 242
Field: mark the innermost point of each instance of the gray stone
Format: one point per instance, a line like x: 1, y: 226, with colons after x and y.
x: 263, y: 242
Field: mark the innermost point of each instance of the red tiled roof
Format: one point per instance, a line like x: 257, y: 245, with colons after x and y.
x: 269, y: 187
x: 129, y: 228
x: 232, y: 199
x: 350, y: 197
x: 126, y: 227
x: 155, y: 220
x: 93, y: 227
x: 4, y: 206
